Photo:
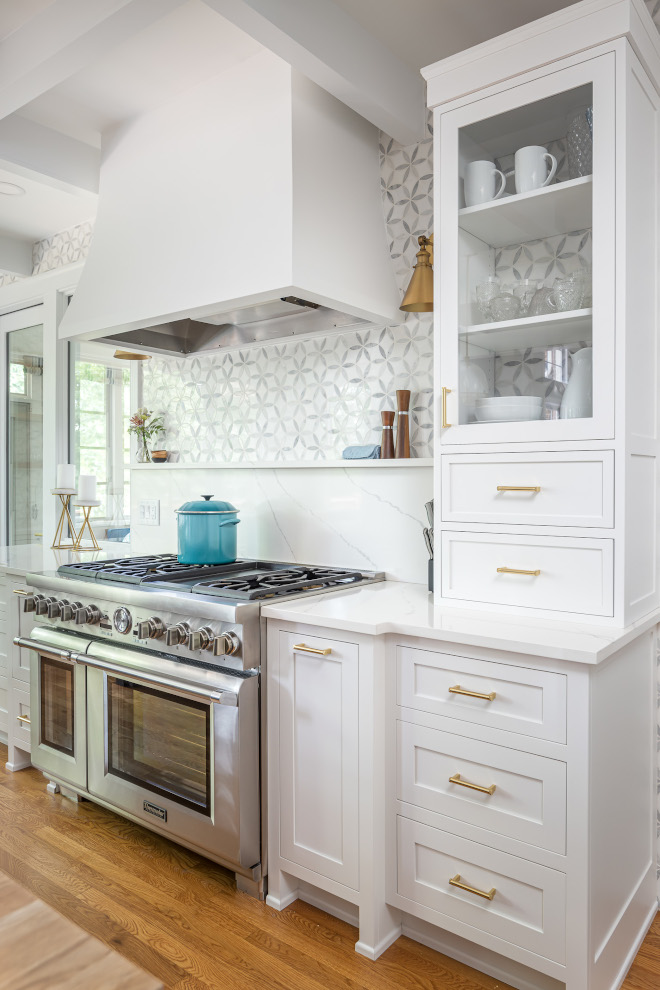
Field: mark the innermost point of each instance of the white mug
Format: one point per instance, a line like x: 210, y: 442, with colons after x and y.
x: 531, y: 168
x: 479, y: 183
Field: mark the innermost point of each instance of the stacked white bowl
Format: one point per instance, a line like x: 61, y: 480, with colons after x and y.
x: 508, y: 408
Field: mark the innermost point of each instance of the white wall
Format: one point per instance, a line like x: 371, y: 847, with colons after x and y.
x: 368, y: 518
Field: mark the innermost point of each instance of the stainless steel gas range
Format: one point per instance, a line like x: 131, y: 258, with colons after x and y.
x: 145, y: 693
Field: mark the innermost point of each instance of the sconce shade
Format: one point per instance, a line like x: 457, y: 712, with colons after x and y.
x: 131, y: 356
x: 419, y: 294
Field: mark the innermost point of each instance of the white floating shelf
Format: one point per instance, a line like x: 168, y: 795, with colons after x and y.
x: 407, y: 462
x: 532, y: 331
x: 556, y: 209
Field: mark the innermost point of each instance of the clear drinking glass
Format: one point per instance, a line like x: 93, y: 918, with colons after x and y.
x: 505, y: 306
x: 579, y: 142
x: 525, y: 291
x: 486, y: 292
x: 567, y: 293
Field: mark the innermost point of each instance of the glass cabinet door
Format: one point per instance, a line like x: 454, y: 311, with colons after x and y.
x: 525, y: 245
x: 25, y: 417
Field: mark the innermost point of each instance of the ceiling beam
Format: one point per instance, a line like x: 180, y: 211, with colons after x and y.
x: 326, y: 44
x: 40, y: 153
x: 15, y: 256
x: 63, y: 38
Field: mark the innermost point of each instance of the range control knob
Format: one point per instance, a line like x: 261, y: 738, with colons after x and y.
x: 55, y: 608
x: 177, y: 634
x: 41, y: 607
x: 201, y: 639
x: 152, y: 628
x: 69, y: 610
x: 30, y: 603
x: 226, y: 645
x: 88, y: 614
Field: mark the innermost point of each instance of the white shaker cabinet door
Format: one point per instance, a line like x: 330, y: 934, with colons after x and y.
x: 318, y: 691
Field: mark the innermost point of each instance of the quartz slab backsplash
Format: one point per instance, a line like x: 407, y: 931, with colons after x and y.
x: 368, y: 518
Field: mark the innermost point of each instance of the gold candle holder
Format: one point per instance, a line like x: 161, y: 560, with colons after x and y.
x: 87, y: 508
x: 60, y: 541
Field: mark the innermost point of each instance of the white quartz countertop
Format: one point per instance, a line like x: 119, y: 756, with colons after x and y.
x: 409, y: 609
x: 33, y: 558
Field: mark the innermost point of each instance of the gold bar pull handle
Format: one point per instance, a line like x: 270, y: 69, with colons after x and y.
x: 23, y: 718
x: 456, y: 779
x: 21, y: 591
x: 516, y: 570
x: 519, y: 488
x: 310, y: 649
x: 457, y: 882
x: 445, y: 393
x: 457, y: 689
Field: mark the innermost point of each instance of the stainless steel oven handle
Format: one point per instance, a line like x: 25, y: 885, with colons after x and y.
x: 196, y: 694
x: 51, y: 652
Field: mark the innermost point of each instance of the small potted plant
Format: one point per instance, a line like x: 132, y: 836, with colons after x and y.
x: 145, y: 425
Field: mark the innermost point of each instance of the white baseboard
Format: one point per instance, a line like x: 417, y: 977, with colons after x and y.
x: 374, y: 952
x: 506, y: 970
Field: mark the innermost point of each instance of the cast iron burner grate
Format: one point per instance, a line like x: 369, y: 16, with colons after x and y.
x: 142, y: 570
x: 266, y: 582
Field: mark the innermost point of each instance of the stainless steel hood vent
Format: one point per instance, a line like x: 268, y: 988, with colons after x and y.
x: 248, y: 209
x: 287, y: 317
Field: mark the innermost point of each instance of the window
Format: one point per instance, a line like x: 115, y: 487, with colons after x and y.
x: 99, y: 417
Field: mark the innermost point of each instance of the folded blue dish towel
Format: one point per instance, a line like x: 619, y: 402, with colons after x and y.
x: 367, y: 452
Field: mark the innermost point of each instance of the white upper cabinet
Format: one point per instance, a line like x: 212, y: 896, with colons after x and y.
x: 527, y: 279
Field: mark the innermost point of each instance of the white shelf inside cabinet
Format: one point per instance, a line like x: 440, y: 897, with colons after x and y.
x: 544, y: 212
x: 532, y: 331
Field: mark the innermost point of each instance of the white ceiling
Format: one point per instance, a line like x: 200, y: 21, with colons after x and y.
x: 421, y: 32
x: 189, y: 44
x: 43, y: 210
x: 185, y: 47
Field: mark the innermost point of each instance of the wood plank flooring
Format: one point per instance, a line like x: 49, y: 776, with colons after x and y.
x: 180, y: 917
x: 40, y: 948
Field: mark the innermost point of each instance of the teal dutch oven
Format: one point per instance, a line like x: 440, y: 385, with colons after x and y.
x: 207, y: 532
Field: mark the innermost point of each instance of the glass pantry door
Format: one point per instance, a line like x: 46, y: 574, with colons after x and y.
x: 526, y: 277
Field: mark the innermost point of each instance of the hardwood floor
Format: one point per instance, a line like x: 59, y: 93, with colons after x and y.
x: 180, y: 918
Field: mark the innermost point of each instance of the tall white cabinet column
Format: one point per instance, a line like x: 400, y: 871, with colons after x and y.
x: 545, y: 507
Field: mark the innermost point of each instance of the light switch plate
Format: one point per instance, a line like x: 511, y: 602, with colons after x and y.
x: 149, y: 512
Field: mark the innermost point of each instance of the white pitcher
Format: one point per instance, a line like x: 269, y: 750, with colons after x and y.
x: 577, y: 402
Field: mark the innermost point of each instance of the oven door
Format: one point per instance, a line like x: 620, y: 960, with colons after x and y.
x: 177, y: 749
x: 58, y: 731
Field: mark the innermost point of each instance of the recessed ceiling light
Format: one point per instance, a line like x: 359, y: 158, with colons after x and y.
x: 11, y: 189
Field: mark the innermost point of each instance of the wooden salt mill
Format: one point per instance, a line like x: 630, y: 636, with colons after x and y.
x: 402, y: 426
x: 387, y: 441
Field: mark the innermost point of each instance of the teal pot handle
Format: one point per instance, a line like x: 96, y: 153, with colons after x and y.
x: 228, y: 522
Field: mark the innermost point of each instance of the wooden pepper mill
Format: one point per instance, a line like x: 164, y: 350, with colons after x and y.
x: 387, y: 441
x: 402, y: 426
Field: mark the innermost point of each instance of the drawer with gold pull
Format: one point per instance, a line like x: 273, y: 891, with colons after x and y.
x: 494, y: 787
x: 560, y: 574
x: 499, y: 695
x: 461, y: 885
x: 19, y: 716
x: 574, y: 488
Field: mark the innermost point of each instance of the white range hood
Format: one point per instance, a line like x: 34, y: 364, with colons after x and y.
x: 247, y: 209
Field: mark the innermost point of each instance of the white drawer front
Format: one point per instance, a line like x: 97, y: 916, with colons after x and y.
x: 20, y: 710
x: 575, y: 489
x: 575, y: 575
x: 532, y: 702
x: 529, y: 904
x: 528, y: 800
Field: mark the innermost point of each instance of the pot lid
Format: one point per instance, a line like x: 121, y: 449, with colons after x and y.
x: 207, y: 504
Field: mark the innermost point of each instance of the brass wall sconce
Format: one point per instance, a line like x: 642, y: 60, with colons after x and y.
x: 419, y: 294
x: 131, y: 356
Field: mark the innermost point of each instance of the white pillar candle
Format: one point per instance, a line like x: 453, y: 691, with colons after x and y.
x: 87, y: 488
x: 66, y: 476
